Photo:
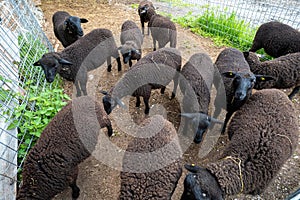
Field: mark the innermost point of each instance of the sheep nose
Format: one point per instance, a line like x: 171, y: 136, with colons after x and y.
x: 240, y: 96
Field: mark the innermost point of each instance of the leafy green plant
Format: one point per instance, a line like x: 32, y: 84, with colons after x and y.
x: 33, y: 116
x: 41, y: 100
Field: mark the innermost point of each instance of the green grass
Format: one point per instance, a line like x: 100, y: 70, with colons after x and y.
x: 224, y: 29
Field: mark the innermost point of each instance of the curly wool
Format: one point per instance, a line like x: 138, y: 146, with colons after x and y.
x: 163, y: 30
x: 264, y: 133
x: 70, y: 137
x: 152, y: 175
x: 277, y: 39
x: 285, y: 70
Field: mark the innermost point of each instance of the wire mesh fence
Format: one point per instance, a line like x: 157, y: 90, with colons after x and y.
x: 235, y: 20
x: 22, y: 42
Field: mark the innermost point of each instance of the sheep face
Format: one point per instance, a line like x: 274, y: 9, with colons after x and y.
x: 200, y: 122
x: 143, y: 10
x: 200, y: 184
x: 130, y: 51
x: 73, y: 25
x: 51, y: 64
x: 242, y: 84
x: 108, y: 103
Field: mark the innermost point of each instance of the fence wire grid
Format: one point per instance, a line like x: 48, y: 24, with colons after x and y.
x: 22, y: 42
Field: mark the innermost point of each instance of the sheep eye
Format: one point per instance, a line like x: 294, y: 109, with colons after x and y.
x: 204, y: 194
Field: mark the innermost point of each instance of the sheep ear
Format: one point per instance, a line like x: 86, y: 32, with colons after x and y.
x: 216, y: 121
x: 192, y: 168
x: 103, y: 92
x: 119, y: 48
x: 83, y: 20
x: 262, y: 78
x: 246, y: 54
x: 64, y: 62
x: 229, y: 74
x: 120, y: 103
x: 189, y: 115
x: 37, y: 63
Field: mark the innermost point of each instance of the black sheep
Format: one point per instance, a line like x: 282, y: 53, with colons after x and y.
x: 70, y: 137
x: 86, y: 54
x: 154, y: 71
x: 67, y: 28
x: 131, y: 39
x: 277, y: 39
x: 263, y: 135
x: 145, y: 16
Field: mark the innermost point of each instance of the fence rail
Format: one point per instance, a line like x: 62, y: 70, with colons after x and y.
x: 22, y: 42
x: 20, y: 37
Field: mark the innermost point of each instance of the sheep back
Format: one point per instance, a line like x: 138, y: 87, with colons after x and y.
x: 67, y: 35
x: 131, y: 32
x: 232, y: 60
x: 68, y: 139
x: 285, y: 69
x: 277, y: 39
x: 153, y: 71
x: 264, y: 133
x: 152, y: 162
x: 198, y: 72
x: 163, y: 30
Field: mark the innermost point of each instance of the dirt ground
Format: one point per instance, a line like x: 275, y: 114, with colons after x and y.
x: 98, y: 180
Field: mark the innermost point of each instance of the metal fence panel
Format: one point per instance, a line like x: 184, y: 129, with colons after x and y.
x: 20, y: 37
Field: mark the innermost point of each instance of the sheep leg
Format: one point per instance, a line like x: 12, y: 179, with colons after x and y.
x: 143, y: 26
x: 148, y: 30
x: 294, y: 92
x: 147, y: 107
x: 175, y: 84
x: 78, y: 92
x: 154, y: 44
x: 108, y: 60
x: 228, y: 115
x: 162, y: 90
x: 130, y: 62
x: 73, y: 185
x: 109, y: 130
x: 138, y: 101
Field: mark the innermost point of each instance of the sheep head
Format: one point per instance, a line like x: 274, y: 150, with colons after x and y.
x: 110, y: 102
x: 200, y: 184
x: 51, y: 64
x: 201, y: 122
x: 73, y: 25
x: 130, y: 51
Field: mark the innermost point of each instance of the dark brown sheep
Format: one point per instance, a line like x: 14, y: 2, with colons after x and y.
x: 70, y: 137
x: 263, y: 135
x: 277, y: 39
x: 152, y: 164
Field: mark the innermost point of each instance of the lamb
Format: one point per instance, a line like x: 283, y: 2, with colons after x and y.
x: 67, y: 28
x: 163, y: 30
x: 70, y: 137
x: 196, y: 83
x: 277, y: 39
x: 154, y: 71
x: 152, y: 166
x: 131, y: 39
x: 238, y: 81
x: 285, y: 70
x: 86, y: 54
x: 145, y: 16
x: 263, y: 135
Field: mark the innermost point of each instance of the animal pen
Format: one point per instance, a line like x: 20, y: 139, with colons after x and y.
x: 22, y: 42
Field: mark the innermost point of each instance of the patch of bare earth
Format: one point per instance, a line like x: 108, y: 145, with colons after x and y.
x: 98, y: 180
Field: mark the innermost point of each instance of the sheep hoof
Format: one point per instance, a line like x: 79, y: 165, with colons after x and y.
x: 173, y: 96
